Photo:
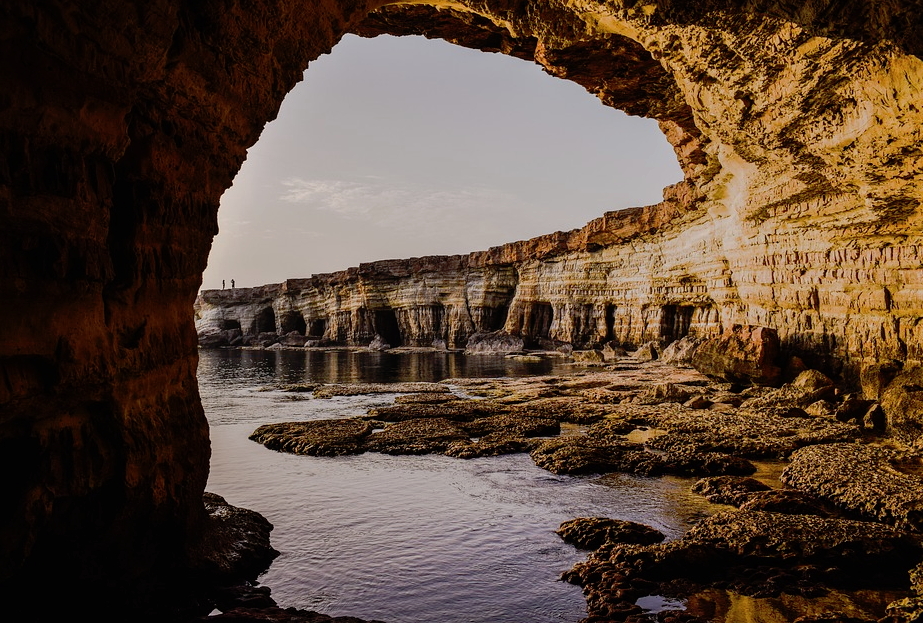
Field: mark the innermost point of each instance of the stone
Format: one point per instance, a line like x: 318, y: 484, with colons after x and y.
x: 875, y: 419
x: 649, y: 351
x: 680, y: 352
x: 588, y: 356
x: 236, y: 546
x: 498, y: 342
x: 378, y: 343
x: 612, y: 352
x: 862, y: 479
x: 902, y: 403
x: 744, y: 354
x: 594, y: 532
x: 875, y: 377
x: 733, y: 490
x: 315, y: 438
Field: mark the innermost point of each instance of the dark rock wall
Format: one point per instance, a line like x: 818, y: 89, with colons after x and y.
x: 121, y: 123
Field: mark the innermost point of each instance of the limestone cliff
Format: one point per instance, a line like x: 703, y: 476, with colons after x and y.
x: 798, y: 126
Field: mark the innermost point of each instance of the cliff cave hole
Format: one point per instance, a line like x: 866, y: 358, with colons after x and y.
x: 675, y: 321
x: 610, y: 322
x: 265, y: 321
x: 317, y: 327
x: 495, y: 317
x: 229, y: 324
x: 387, y: 327
x: 538, y: 319
x: 292, y: 321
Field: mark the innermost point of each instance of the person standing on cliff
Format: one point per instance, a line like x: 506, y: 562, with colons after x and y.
x: 232, y: 284
x: 222, y: 284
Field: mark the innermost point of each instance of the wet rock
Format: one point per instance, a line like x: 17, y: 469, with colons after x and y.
x: 426, y: 398
x: 902, y: 402
x: 744, y: 354
x: 492, y: 444
x: 862, y: 479
x: 743, y: 433
x: 293, y: 339
x: 564, y: 409
x: 236, y: 544
x: 733, y: 490
x: 517, y: 424
x: 359, y: 389
x: 498, y: 342
x: 593, y: 532
x: 583, y: 455
x: 421, y: 436
x: 790, y: 502
x: 752, y: 553
x: 315, y: 438
x: 457, y: 410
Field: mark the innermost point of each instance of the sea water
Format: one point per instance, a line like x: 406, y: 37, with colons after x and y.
x: 406, y: 539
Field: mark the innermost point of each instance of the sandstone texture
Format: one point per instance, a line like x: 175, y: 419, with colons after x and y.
x: 797, y: 125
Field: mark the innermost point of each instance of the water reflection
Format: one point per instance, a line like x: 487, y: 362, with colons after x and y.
x: 341, y: 366
x: 716, y: 605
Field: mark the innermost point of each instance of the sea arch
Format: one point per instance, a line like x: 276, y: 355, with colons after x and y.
x: 797, y: 127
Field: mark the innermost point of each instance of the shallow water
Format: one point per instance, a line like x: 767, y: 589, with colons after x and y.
x: 403, y: 538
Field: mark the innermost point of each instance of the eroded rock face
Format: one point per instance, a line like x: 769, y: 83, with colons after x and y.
x: 798, y: 127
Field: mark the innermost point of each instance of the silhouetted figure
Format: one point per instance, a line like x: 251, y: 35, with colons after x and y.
x: 232, y: 284
x: 222, y: 284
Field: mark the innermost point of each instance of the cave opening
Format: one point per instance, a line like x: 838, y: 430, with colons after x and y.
x: 317, y: 327
x: 229, y: 324
x: 538, y: 319
x: 675, y: 321
x: 610, y: 322
x: 385, y: 324
x: 264, y: 321
x: 292, y: 321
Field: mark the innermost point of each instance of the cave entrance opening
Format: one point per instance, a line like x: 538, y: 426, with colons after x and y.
x: 229, y: 324
x: 539, y: 317
x: 317, y: 327
x: 675, y: 322
x: 610, y: 322
x: 264, y: 321
x: 292, y: 321
x: 386, y: 325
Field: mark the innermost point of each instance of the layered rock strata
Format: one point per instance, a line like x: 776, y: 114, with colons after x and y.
x: 797, y: 125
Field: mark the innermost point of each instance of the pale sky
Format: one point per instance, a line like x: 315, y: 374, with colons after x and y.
x: 401, y: 147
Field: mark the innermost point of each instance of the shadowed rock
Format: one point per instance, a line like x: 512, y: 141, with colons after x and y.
x: 593, y: 532
x: 316, y: 438
x: 861, y: 479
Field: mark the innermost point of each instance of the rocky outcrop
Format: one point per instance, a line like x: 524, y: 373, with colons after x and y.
x: 797, y: 125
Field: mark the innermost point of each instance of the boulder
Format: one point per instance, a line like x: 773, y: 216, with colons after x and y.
x: 902, y: 403
x: 743, y: 354
x: 498, y: 342
x: 378, y: 343
x: 647, y: 352
x: 680, y: 352
x: 588, y: 356
x: 594, y: 532
x: 875, y: 378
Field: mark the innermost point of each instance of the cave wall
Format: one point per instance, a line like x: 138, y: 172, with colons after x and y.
x: 798, y: 126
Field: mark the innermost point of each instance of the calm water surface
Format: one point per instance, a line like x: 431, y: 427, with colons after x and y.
x: 406, y: 539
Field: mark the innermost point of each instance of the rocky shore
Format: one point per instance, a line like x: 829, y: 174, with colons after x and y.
x: 846, y: 513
